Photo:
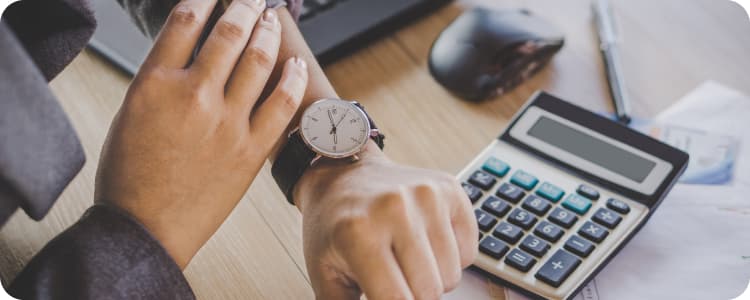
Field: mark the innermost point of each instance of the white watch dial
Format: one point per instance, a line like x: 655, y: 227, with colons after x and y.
x: 335, y: 128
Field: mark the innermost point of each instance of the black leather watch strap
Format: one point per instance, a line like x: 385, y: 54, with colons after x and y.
x: 295, y: 157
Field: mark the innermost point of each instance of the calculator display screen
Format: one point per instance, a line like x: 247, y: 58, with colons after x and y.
x: 592, y: 149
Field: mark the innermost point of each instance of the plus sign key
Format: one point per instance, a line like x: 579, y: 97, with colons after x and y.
x: 607, y: 218
x: 558, y: 268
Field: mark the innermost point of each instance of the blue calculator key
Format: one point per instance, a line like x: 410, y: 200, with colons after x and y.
x: 510, y: 192
x: 534, y: 245
x: 482, y: 180
x: 508, y: 232
x: 563, y: 217
x: 618, y: 206
x: 577, y: 204
x: 558, y: 268
x: 493, y: 247
x: 536, y: 205
x: 524, y: 180
x: 588, y: 192
x: 496, y: 206
x: 520, y: 260
x: 473, y: 192
x: 593, y: 232
x: 607, y: 218
x: 495, y: 166
x: 522, y: 218
x: 550, y: 191
x: 579, y: 246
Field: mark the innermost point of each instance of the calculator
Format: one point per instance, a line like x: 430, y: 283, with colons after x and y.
x: 560, y: 192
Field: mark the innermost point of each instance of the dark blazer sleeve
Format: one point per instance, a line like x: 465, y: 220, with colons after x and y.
x: 105, y: 255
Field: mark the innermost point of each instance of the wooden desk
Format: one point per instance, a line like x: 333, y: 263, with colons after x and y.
x: 671, y: 47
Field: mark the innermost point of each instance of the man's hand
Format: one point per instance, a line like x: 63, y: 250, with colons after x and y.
x: 188, y: 142
x: 388, y: 230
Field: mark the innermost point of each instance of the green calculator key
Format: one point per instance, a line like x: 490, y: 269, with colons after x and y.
x: 577, y: 204
x: 495, y: 166
x: 524, y: 180
x: 550, y: 191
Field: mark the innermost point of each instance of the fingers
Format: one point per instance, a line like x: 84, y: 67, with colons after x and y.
x: 174, y: 46
x: 256, y: 64
x: 378, y: 273
x: 464, y: 227
x: 227, y: 40
x: 328, y: 285
x: 273, y: 116
x: 445, y: 248
x: 417, y: 261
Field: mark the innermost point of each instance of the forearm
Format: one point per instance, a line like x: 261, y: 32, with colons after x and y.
x: 293, y: 45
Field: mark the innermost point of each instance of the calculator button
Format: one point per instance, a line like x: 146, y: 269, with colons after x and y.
x: 536, y: 205
x: 520, y: 260
x: 493, y: 247
x: 510, y: 192
x: 579, y: 246
x: 548, y: 231
x: 563, y: 217
x: 550, y: 191
x: 618, y: 206
x: 534, y: 245
x: 484, y: 220
x: 522, y: 218
x: 473, y: 192
x: 508, y: 232
x: 593, y: 232
x: 524, y: 180
x: 558, y: 268
x: 496, y: 167
x: 482, y: 180
x: 577, y: 204
x: 588, y: 192
x: 607, y: 218
x: 480, y: 236
x: 496, y: 206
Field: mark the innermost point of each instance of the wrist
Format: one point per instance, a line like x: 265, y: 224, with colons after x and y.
x: 327, y: 174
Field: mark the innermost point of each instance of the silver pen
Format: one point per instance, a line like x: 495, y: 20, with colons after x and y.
x: 605, y: 23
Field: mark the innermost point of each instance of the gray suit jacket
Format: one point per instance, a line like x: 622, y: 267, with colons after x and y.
x: 107, y: 254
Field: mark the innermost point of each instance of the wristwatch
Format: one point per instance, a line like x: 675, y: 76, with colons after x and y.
x: 330, y: 128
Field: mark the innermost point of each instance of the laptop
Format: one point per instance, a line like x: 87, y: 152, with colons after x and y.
x: 332, y: 28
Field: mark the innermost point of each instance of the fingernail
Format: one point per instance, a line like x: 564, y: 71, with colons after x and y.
x: 269, y: 16
x: 300, y: 62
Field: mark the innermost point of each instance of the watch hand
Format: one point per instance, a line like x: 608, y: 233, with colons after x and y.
x: 331, y: 118
x: 335, y: 138
x: 342, y: 118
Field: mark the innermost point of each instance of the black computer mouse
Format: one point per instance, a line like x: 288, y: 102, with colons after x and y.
x: 485, y: 53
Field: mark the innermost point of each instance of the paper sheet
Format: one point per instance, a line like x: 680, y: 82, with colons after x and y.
x: 697, y: 244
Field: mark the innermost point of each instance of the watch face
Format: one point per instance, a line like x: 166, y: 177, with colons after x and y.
x: 335, y: 128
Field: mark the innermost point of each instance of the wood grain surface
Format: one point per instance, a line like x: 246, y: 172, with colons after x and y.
x: 670, y: 47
